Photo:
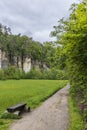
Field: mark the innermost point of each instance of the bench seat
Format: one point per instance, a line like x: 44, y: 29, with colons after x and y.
x: 19, y: 108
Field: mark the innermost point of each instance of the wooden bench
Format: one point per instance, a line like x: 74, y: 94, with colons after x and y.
x: 18, y: 109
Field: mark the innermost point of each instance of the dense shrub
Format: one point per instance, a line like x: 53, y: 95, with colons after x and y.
x: 9, y: 116
x: 46, y: 74
x: 12, y: 73
x: 34, y: 74
x: 54, y: 74
x: 2, y: 76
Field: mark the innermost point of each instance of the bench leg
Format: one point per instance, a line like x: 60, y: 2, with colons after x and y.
x: 27, y: 109
x: 18, y: 113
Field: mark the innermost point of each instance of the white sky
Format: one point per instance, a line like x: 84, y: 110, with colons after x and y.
x: 34, y: 18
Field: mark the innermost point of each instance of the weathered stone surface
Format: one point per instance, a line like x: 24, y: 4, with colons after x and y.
x: 27, y: 65
x: 4, y: 62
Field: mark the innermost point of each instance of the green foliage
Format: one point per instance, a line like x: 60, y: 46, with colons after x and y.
x: 53, y: 74
x: 85, y: 115
x: 1, y: 123
x: 9, y: 116
x: 76, y: 122
x: 34, y: 74
x: 17, y: 48
x: 71, y: 33
x: 4, y: 123
x: 2, y: 76
x: 12, y: 73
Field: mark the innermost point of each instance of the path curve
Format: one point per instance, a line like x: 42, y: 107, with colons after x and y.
x: 53, y: 114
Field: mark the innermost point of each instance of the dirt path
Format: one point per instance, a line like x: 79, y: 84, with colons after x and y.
x: 51, y: 115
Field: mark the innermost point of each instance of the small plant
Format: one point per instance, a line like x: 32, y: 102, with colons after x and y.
x: 1, y: 123
x: 12, y: 73
x: 9, y: 116
x: 76, y: 122
x: 85, y: 126
x: 2, y: 75
x: 85, y: 115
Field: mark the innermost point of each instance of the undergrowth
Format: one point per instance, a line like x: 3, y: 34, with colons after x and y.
x: 76, y: 121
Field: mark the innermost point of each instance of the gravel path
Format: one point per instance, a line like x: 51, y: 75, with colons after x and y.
x: 51, y: 115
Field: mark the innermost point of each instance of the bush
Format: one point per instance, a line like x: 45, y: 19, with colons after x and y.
x: 85, y: 115
x: 12, y: 73
x: 9, y: 116
x: 54, y: 74
x: 34, y: 74
x: 45, y: 74
x: 2, y: 76
x: 22, y: 75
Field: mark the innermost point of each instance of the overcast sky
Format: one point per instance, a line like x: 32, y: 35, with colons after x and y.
x: 34, y: 18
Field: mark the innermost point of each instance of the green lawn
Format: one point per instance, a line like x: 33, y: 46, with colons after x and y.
x: 33, y: 92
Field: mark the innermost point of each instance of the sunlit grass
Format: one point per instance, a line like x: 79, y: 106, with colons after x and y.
x: 33, y: 92
x: 76, y: 122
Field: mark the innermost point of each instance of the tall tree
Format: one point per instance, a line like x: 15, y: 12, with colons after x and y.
x: 72, y: 34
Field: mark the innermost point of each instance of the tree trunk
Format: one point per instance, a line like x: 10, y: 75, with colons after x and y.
x: 22, y: 62
x: 17, y: 61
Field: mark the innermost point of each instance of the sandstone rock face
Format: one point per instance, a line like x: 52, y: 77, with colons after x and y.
x: 27, y: 65
x: 3, y: 60
x: 0, y: 59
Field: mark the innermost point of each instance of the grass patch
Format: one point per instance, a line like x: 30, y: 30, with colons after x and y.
x: 76, y: 122
x: 9, y: 116
x: 33, y: 92
x: 4, y: 123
